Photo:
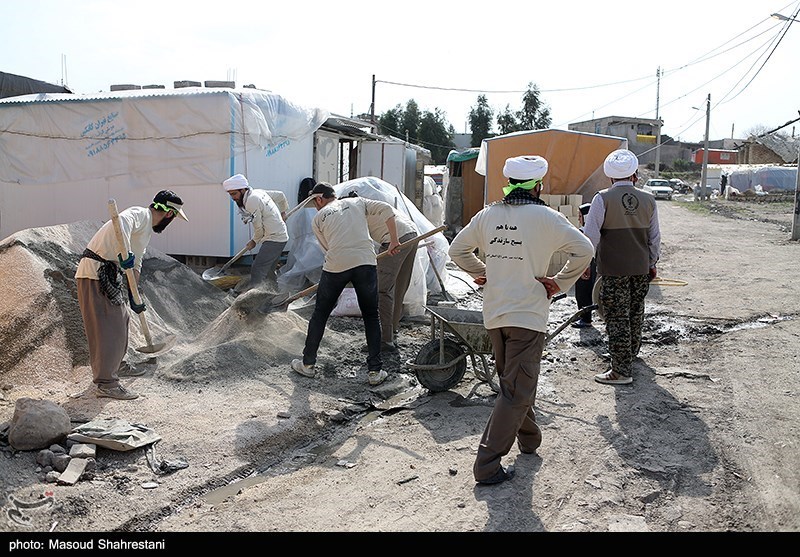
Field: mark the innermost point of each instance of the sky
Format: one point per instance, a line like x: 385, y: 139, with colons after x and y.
x: 589, y: 59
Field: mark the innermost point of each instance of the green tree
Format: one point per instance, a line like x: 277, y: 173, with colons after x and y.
x: 410, y: 121
x: 507, y: 121
x: 436, y: 135
x: 534, y: 115
x: 389, y: 121
x: 480, y: 121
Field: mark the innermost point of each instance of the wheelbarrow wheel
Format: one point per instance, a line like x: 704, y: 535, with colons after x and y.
x: 446, y: 377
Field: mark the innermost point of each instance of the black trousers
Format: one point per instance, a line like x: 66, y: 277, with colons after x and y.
x: 583, y: 292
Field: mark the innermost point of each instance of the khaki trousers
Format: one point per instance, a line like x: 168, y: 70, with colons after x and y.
x: 518, y: 355
x: 106, y: 327
x: 394, y: 277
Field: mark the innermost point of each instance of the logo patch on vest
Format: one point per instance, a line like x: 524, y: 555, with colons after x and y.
x: 630, y: 202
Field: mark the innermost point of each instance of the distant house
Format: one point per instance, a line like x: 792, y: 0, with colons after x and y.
x: 716, y: 156
x: 642, y: 135
x: 773, y: 148
x: 12, y: 85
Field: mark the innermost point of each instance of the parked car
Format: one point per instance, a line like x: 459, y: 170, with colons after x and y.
x: 659, y: 188
x: 679, y: 185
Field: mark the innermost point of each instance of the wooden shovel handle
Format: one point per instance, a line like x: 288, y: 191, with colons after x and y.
x: 300, y: 205
x: 313, y: 287
x: 123, y: 248
x: 233, y: 260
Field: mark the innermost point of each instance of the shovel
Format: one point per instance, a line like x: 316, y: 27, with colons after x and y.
x: 281, y: 302
x: 150, y: 348
x: 218, y: 278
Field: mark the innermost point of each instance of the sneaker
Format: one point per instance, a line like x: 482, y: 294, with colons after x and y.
x: 377, y: 377
x: 500, y: 476
x: 613, y: 378
x: 119, y: 392
x: 303, y: 369
x: 126, y: 370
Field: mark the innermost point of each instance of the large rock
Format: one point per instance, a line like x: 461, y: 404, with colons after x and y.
x: 37, y: 424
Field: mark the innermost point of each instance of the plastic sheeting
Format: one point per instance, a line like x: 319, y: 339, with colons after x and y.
x: 432, y: 203
x: 768, y: 178
x: 304, y: 262
x: 112, y: 134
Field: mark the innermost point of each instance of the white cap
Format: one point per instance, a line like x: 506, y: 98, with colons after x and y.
x: 525, y: 167
x: 620, y: 164
x: 236, y: 182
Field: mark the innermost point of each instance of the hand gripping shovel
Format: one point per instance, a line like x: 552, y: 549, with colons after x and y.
x: 150, y: 348
x: 281, y: 302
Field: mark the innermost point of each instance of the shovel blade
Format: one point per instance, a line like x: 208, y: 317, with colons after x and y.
x: 210, y: 274
x: 158, y: 348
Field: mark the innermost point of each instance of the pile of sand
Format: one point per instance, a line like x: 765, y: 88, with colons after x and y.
x: 41, y: 330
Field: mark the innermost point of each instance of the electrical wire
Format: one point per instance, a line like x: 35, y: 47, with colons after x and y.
x: 710, y: 55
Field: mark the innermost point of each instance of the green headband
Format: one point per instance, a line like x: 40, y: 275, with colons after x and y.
x: 529, y: 185
x: 165, y: 208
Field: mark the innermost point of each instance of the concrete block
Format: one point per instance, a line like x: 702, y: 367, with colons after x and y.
x: 83, y: 450
x: 74, y: 471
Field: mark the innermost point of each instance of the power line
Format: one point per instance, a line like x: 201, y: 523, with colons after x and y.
x: 703, y: 58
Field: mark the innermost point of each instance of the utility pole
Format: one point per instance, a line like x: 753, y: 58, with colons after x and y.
x: 372, y: 104
x: 796, y: 221
x: 704, y: 172
x: 658, y: 122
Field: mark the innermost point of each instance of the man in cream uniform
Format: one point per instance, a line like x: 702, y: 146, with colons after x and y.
x: 101, y: 292
x: 269, y: 229
x: 341, y: 228
x: 518, y: 236
x: 394, y: 273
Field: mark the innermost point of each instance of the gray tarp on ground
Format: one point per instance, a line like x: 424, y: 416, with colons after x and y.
x: 114, y: 434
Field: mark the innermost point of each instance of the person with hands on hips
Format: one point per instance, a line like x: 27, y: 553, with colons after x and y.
x: 518, y: 236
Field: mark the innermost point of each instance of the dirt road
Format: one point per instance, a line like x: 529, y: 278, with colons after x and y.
x: 704, y: 440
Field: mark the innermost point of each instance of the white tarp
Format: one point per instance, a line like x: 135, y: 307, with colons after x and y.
x: 113, y: 134
x: 306, y: 255
x: 62, y: 157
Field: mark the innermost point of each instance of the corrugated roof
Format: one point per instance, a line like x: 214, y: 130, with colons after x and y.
x: 132, y: 93
x: 783, y: 146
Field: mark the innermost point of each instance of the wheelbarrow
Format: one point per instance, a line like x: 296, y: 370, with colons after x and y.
x: 457, y: 334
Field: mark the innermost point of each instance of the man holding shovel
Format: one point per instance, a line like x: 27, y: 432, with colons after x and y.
x: 100, y: 289
x: 341, y: 228
x: 269, y: 229
x: 394, y: 273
